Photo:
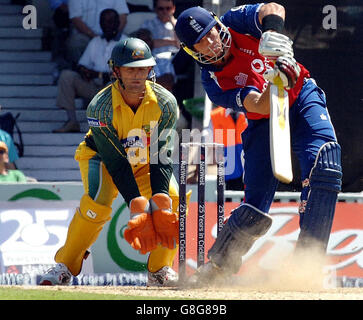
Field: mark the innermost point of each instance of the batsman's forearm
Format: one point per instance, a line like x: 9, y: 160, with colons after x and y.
x: 271, y: 8
x: 258, y: 102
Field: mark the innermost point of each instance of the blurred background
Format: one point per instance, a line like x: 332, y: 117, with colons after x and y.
x: 28, y: 80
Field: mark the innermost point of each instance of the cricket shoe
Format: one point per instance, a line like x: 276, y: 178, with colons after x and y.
x: 207, y: 275
x: 165, y: 277
x: 58, y: 275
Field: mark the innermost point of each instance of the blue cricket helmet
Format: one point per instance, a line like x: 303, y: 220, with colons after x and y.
x: 193, y: 24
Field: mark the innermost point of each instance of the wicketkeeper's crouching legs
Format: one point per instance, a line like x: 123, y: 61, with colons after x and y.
x: 83, y: 231
x: 325, y: 181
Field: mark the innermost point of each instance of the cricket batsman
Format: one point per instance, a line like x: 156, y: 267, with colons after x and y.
x: 127, y: 150
x: 240, y: 56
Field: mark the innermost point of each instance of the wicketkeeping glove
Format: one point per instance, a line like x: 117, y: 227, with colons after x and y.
x: 287, y: 69
x: 166, y: 221
x: 140, y: 232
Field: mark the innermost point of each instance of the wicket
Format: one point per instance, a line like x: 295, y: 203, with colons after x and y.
x: 183, y: 174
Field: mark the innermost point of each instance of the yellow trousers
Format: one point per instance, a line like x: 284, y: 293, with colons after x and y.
x: 95, y: 210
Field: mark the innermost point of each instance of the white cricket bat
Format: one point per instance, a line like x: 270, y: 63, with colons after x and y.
x: 280, y: 147
x: 206, y: 117
x: 207, y: 111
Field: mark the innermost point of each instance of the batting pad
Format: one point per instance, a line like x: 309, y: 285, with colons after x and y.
x: 245, y: 225
x: 325, y: 184
x: 83, y: 231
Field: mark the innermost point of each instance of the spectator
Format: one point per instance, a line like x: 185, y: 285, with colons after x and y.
x: 225, y: 121
x: 165, y: 42
x: 60, y: 15
x: 61, y: 31
x: 84, y: 16
x: 7, y: 175
x: 92, y: 72
x: 164, y: 70
x: 162, y: 28
x: 12, y: 152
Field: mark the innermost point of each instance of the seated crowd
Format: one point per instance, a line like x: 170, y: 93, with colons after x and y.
x: 83, y: 65
x: 84, y: 34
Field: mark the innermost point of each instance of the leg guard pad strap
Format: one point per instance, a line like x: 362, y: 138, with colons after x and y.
x: 248, y: 219
x: 243, y: 228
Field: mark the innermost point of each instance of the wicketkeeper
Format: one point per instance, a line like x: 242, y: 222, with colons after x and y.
x: 236, y: 55
x: 127, y: 150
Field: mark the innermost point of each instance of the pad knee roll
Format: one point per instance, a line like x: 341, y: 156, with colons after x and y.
x: 83, y: 231
x: 245, y: 225
x: 327, y: 171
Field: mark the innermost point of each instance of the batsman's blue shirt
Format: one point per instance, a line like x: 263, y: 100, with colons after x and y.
x: 229, y: 85
x: 310, y: 125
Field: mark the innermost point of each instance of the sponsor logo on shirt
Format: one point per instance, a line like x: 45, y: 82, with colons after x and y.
x: 133, y: 142
x: 93, y: 122
x: 258, y: 65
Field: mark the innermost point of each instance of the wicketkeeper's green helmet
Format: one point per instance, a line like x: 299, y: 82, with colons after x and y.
x: 131, y: 52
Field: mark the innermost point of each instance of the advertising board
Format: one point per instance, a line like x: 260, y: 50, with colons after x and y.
x: 34, y: 223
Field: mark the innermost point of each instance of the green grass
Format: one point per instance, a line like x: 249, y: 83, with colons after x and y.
x: 34, y: 294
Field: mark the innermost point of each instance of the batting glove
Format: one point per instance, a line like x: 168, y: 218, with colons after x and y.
x: 285, y: 72
x: 273, y: 45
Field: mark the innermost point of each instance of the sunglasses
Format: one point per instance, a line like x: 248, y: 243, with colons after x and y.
x: 2, y: 151
x: 164, y: 8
